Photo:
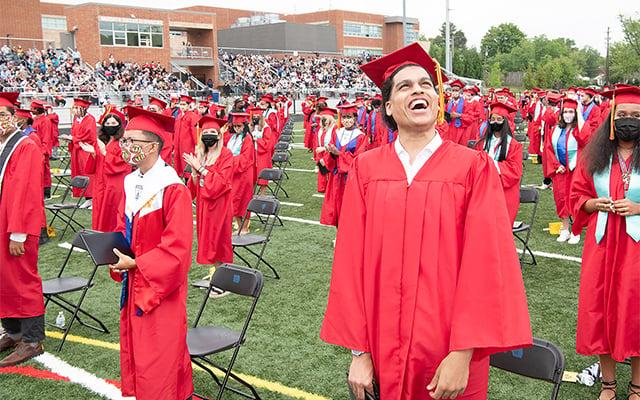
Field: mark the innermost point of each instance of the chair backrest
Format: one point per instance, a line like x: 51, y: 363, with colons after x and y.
x: 529, y: 195
x: 285, y: 138
x: 281, y: 146
x: 525, y: 155
x: 264, y: 206
x: 543, y: 361
x: 80, y: 182
x: 271, y: 174
x: 280, y: 157
x: 239, y: 280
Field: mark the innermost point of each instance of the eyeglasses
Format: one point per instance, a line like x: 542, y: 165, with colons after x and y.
x: 126, y: 142
x: 4, y: 115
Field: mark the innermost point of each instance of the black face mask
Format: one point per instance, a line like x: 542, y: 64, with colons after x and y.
x: 496, y: 126
x: 111, y: 130
x: 256, y: 121
x: 627, y: 129
x: 209, y: 140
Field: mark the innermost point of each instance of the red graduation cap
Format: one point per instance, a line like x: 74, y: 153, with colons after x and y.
x: 245, y: 97
x: 457, y: 83
x: 255, y: 110
x: 240, y: 118
x: 554, y: 97
x: 216, y: 107
x: 503, y: 109
x: 322, y: 99
x: 156, y: 101
x: 145, y: 120
x: 328, y: 111
x: 110, y: 109
x: 348, y: 109
x: 624, y: 94
x: 8, y: 99
x: 38, y: 104
x: 569, y: 104
x: 589, y: 91
x: 208, y: 122
x: 186, y: 99
x: 81, y: 103
x: 203, y: 103
x: 22, y: 113
x: 267, y: 98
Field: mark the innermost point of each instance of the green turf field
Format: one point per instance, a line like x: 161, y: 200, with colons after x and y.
x: 283, y: 345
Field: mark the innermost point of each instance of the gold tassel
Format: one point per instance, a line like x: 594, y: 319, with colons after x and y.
x: 440, y: 119
x: 612, y: 135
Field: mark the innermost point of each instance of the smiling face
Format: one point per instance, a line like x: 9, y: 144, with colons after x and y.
x: 413, y: 101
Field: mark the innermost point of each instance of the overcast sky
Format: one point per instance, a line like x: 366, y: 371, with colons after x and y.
x: 585, y: 21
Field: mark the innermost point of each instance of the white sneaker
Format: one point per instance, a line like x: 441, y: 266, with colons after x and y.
x: 574, y: 239
x: 564, y: 236
x: 86, y: 204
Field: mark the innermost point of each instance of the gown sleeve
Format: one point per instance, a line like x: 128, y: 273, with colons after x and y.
x: 489, y: 306
x: 511, y: 167
x: 25, y: 199
x: 344, y: 320
x: 582, y: 189
x: 218, y: 179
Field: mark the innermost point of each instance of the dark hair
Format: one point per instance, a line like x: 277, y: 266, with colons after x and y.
x: 38, y: 110
x: 105, y: 138
x: 387, y: 88
x: 11, y: 109
x: 600, y: 150
x: 504, y: 145
x: 564, y: 125
x: 155, y: 137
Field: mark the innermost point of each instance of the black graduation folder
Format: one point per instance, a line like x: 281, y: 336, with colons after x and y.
x: 100, y: 246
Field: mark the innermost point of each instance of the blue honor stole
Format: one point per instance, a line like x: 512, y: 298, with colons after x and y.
x: 602, y: 182
x: 587, y: 112
x: 565, y: 147
x: 125, y: 275
x: 458, y: 122
x: 483, y: 129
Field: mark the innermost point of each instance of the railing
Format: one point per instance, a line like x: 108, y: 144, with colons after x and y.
x: 26, y: 43
x: 229, y: 71
x: 182, y: 71
x: 192, y: 52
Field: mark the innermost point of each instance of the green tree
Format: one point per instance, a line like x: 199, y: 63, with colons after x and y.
x: 558, y: 73
x: 494, y: 79
x: 501, y: 39
x: 631, y: 29
x: 624, y: 63
x: 458, y: 38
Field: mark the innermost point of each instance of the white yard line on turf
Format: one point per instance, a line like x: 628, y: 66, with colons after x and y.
x: 304, y: 221
x: 320, y: 195
x: 80, y: 377
x: 285, y: 203
x: 297, y: 146
x: 300, y: 170
x: 67, y: 245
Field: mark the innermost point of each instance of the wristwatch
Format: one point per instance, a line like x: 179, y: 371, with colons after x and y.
x: 357, y: 353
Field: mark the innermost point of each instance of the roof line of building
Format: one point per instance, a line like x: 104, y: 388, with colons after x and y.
x: 167, y: 10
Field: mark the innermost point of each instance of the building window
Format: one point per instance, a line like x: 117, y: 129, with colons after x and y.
x: 130, y: 34
x: 54, y: 23
x: 353, y: 29
x: 410, y: 34
x: 361, y: 52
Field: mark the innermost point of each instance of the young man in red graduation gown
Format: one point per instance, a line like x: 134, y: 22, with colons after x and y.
x: 605, y: 198
x: 426, y: 282
x: 156, y: 218
x: 506, y: 153
x: 83, y: 129
x: 46, y: 131
x: 462, y: 115
x: 185, y: 134
x: 21, y: 212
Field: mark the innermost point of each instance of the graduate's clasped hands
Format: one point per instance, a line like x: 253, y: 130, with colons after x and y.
x: 124, y: 263
x: 622, y: 207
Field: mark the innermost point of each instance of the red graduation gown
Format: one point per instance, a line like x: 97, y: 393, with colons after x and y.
x: 561, y: 182
x: 45, y: 129
x: 307, y: 111
x: 84, y: 131
x: 214, y: 211
x: 264, y: 151
x: 339, y: 167
x: 154, y: 359
x: 36, y: 139
x: 244, y: 177
x: 55, y: 120
x: 462, y: 134
x: 108, y: 186
x: 510, y: 176
x: 609, y: 298
x: 533, y: 128
x: 319, y: 140
x: 21, y: 211
x: 184, y: 140
x: 425, y: 269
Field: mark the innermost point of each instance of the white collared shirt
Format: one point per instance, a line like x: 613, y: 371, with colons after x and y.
x: 412, y: 169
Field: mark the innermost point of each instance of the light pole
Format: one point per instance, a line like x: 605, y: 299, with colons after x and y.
x: 447, y: 40
x: 404, y: 23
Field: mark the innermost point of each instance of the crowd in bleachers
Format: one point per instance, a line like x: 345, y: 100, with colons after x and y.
x: 129, y: 76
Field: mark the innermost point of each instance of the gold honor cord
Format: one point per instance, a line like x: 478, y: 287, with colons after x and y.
x: 611, y: 120
x: 440, y: 93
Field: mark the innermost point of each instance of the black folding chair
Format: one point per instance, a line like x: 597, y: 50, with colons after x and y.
x: 528, y: 195
x: 282, y: 146
x: 285, y: 138
x: 280, y: 160
x: 54, y: 289
x: 272, y: 175
x: 206, y: 341
x: 544, y: 361
x: 61, y: 209
x: 266, y: 208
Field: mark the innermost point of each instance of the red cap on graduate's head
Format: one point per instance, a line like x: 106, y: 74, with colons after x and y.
x: 8, y: 99
x: 328, y: 111
x: 348, y: 109
x: 38, y: 104
x: 22, y: 113
x: 255, y: 110
x: 568, y: 103
x: 203, y: 103
x: 382, y: 68
x: 554, y: 97
x: 624, y: 94
x: 322, y: 99
x: 475, y: 89
x: 186, y: 99
x: 156, y: 101
x: 145, y: 120
x: 110, y: 109
x: 503, y: 109
x: 81, y: 103
x: 216, y: 107
x: 208, y: 122
x: 245, y: 97
x: 268, y: 98
x: 457, y: 83
x: 589, y: 91
x: 240, y: 118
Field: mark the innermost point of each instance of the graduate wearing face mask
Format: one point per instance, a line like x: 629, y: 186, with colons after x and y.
x: 325, y: 134
x: 561, y: 156
x: 109, y: 169
x: 240, y: 143
x: 210, y: 186
x: 505, y: 152
x: 265, y: 141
